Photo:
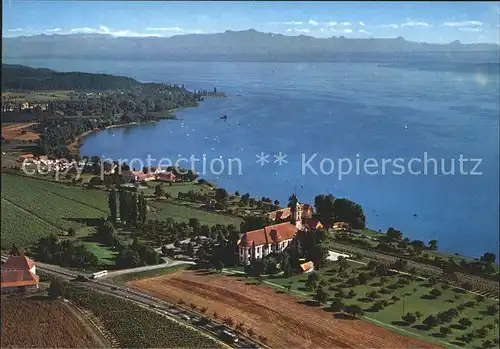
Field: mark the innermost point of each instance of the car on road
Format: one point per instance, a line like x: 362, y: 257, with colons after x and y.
x: 113, y: 288
x: 228, y: 337
x: 185, y: 317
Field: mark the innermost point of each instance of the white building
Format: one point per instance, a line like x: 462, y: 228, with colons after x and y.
x: 273, y: 238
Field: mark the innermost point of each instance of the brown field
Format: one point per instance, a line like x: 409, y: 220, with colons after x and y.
x: 28, y: 323
x: 279, y: 317
x: 13, y: 131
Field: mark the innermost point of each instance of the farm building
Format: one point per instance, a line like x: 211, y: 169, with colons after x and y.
x: 19, y: 275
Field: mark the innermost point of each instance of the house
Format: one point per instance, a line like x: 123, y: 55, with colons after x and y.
x: 307, y: 267
x: 166, y: 177
x: 19, y: 275
x: 311, y: 224
x: 24, y: 157
x: 341, y: 226
x: 274, y: 238
x: 285, y: 213
x: 137, y: 176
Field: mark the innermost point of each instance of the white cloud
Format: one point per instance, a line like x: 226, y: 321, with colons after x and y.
x: 343, y: 31
x: 15, y: 30
x: 298, y: 30
x: 331, y: 24
x: 292, y: 23
x: 84, y: 30
x: 464, y: 24
x: 311, y: 22
x: 415, y: 24
x: 390, y: 26
x: 166, y: 29
x: 362, y: 31
x: 362, y: 24
x: 105, y: 30
x: 469, y: 29
x: 345, y: 24
x: 55, y: 30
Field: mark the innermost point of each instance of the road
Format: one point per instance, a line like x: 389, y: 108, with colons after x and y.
x: 169, y: 263
x: 162, y: 307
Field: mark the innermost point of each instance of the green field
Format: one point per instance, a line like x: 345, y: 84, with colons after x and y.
x: 166, y: 209
x: 106, y: 257
x: 410, y: 300
x: 177, y: 188
x: 32, y: 208
x: 150, y: 273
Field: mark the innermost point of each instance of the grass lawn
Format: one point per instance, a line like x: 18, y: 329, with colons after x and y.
x: 150, y: 273
x: 105, y: 255
x: 43, y: 208
x: 166, y: 209
x: 410, y: 300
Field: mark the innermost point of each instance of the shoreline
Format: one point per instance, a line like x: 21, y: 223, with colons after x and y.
x: 74, y: 147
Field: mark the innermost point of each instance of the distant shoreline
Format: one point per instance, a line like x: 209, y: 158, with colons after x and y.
x: 75, y: 146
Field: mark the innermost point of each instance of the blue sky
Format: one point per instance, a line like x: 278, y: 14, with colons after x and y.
x: 417, y: 21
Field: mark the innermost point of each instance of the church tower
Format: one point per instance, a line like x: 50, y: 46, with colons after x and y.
x: 297, y: 215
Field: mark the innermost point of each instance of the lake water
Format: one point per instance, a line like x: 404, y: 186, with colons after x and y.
x: 340, y: 110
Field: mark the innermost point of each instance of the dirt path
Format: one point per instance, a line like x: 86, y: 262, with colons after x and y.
x: 281, y: 318
x: 91, y: 327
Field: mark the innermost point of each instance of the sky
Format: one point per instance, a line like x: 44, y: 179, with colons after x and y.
x: 436, y: 22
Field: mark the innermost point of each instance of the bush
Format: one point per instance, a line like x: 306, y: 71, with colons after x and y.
x: 431, y: 321
x: 337, y: 305
x: 436, y: 292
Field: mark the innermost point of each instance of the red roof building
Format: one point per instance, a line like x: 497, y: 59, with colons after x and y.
x: 260, y: 242
x: 307, y: 267
x: 19, y: 275
x: 166, y: 177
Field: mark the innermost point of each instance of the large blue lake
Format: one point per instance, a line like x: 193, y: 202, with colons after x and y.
x: 336, y: 111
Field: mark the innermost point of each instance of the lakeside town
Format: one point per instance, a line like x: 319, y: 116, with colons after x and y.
x: 212, y: 267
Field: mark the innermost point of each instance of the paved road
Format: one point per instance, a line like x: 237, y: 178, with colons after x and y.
x: 167, y: 309
x: 170, y: 263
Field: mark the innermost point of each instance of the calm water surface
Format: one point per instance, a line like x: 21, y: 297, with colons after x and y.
x: 336, y: 111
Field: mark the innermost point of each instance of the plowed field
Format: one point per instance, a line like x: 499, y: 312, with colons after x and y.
x: 285, y: 322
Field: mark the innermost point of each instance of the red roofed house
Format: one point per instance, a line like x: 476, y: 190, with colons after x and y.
x: 165, y: 177
x: 19, y: 275
x: 285, y: 213
x: 273, y: 238
x: 307, y: 267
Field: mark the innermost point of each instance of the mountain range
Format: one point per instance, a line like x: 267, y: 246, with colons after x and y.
x: 248, y: 45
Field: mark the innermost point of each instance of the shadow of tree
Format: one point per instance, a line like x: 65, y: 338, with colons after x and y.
x: 400, y: 323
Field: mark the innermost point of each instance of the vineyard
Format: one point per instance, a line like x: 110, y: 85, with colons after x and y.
x: 485, y: 286
x: 181, y: 213
x: 34, y: 208
x: 28, y: 323
x: 137, y: 327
